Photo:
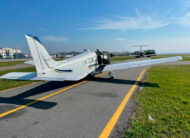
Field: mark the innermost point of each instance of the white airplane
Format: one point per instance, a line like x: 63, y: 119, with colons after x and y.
x: 74, y: 68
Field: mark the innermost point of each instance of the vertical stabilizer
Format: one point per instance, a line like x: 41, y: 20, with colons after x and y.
x: 42, y: 60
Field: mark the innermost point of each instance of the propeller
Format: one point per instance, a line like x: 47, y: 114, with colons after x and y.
x: 98, y: 51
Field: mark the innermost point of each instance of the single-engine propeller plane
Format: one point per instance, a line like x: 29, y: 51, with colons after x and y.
x: 74, y: 68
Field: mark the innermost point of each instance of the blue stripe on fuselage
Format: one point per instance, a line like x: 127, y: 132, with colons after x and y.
x: 66, y: 70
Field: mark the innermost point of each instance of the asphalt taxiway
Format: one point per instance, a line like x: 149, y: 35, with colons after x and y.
x: 82, y: 110
x: 70, y: 109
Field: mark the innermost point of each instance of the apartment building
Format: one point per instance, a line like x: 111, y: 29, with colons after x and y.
x: 8, y: 52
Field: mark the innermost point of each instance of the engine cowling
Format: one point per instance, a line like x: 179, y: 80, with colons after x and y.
x: 103, y: 57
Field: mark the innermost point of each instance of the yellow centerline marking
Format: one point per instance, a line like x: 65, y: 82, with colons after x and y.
x: 45, y: 97
x: 110, y: 125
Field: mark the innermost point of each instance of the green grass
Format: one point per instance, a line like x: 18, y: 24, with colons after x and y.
x: 10, y: 63
x: 160, y: 56
x: 121, y: 58
x: 185, y: 58
x: 6, y: 84
x: 168, y: 104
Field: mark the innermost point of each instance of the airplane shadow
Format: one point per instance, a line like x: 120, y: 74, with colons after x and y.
x: 122, y: 81
x: 23, y: 98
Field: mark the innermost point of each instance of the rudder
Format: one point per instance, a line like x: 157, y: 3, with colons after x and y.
x: 42, y: 60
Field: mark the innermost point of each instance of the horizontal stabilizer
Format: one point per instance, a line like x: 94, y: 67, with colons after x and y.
x: 140, y: 63
x: 33, y: 76
x: 19, y: 76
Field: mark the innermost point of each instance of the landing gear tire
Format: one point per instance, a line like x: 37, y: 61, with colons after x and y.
x: 111, y: 74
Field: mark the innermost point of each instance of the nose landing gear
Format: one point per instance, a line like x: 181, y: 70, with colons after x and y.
x: 111, y: 74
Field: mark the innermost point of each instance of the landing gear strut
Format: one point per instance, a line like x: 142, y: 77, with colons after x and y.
x: 111, y: 74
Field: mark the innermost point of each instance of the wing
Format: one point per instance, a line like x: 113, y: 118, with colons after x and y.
x: 140, y: 63
x: 53, y: 77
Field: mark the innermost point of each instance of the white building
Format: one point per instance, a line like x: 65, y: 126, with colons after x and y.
x: 8, y: 52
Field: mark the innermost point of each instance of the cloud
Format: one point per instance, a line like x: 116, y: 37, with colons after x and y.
x: 120, y: 39
x: 185, y: 4
x: 54, y: 38
x: 172, y: 45
x: 41, y: 29
x: 185, y: 20
x: 140, y: 22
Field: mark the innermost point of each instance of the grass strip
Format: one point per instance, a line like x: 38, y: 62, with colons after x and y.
x: 163, y: 110
x: 185, y: 58
x: 10, y: 63
x: 121, y: 58
x: 7, y: 84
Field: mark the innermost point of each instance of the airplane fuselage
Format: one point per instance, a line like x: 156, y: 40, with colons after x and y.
x: 86, y: 62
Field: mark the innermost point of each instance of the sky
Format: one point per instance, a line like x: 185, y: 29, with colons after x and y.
x: 112, y: 25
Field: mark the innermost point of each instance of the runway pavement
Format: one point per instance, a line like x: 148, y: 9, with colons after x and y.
x: 82, y: 111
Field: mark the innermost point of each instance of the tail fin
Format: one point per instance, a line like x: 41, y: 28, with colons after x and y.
x: 42, y: 60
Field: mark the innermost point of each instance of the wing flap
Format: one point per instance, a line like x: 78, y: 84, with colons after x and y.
x: 133, y: 64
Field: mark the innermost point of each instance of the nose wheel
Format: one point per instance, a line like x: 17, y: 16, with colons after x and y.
x: 111, y: 74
